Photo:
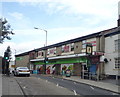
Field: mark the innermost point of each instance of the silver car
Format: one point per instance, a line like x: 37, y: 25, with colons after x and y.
x: 21, y: 71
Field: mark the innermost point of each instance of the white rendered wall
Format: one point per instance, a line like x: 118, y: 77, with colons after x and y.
x: 110, y: 54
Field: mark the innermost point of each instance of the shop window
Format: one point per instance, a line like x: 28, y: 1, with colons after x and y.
x: 117, y: 63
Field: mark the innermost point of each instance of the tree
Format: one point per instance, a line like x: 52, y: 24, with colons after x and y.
x: 5, y: 30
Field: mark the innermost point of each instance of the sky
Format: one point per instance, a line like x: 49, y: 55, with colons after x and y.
x: 63, y: 20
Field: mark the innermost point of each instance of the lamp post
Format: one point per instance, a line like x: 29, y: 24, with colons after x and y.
x: 45, y: 50
x: 43, y: 30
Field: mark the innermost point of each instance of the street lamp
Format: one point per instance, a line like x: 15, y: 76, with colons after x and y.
x: 46, y: 59
x: 43, y: 30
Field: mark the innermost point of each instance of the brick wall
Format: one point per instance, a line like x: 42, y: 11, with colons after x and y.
x: 77, y: 47
x: 22, y: 61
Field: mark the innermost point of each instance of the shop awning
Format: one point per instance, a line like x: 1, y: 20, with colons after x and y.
x: 60, y: 57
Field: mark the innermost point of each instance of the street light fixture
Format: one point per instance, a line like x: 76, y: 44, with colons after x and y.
x: 46, y: 59
x: 43, y: 30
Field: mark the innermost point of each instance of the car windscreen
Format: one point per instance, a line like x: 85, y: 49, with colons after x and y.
x: 23, y: 68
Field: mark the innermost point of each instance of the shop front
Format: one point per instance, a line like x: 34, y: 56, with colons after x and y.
x: 60, y: 65
x: 83, y: 66
x: 93, y: 66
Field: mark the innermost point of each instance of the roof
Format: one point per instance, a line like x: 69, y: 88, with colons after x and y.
x: 22, y: 54
x: 112, y: 33
x: 98, y: 34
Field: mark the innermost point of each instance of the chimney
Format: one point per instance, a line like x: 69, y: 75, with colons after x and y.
x: 119, y: 14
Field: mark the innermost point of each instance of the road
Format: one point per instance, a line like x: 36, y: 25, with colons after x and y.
x: 37, y: 86
x: 46, y: 85
x: 77, y: 88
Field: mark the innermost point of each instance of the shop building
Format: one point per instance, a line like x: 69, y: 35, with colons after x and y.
x: 72, y: 55
x: 22, y: 60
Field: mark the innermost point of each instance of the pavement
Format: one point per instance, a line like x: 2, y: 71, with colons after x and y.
x: 10, y: 86
x: 99, y: 84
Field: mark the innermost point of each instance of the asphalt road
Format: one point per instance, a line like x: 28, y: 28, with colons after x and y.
x: 77, y: 88
x: 37, y: 86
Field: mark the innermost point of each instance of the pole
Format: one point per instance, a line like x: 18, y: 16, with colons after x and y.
x: 45, y: 50
x: 45, y: 53
x: 15, y: 58
x: 46, y: 37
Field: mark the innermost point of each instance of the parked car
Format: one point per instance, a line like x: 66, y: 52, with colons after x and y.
x: 21, y: 71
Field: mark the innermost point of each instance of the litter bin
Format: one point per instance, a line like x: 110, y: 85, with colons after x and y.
x: 68, y: 73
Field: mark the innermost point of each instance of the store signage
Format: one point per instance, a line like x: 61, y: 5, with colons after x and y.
x: 98, y: 53
x: 92, y: 42
x: 89, y: 49
x: 19, y: 58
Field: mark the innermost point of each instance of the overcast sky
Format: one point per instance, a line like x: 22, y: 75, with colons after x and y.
x: 63, y: 20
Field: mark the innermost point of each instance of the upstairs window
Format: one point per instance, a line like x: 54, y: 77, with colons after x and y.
x: 51, y: 51
x: 84, y: 44
x: 117, y: 63
x: 66, y: 48
x: 117, y: 45
x: 72, y: 47
x: 41, y: 53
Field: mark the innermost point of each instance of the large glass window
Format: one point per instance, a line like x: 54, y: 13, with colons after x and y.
x: 117, y: 62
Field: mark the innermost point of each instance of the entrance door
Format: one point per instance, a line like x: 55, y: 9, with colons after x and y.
x: 84, y: 73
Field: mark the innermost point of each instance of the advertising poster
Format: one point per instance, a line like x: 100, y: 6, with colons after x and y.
x: 49, y: 69
x: 65, y: 67
x: 39, y: 69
